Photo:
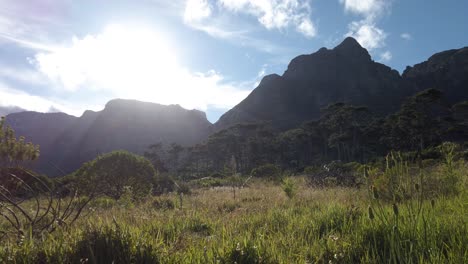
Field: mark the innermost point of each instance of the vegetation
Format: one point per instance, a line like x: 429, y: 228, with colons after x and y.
x: 264, y: 225
x: 350, y: 187
x: 115, y: 173
x: 14, y: 151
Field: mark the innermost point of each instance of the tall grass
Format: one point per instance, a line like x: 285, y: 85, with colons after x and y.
x: 264, y: 225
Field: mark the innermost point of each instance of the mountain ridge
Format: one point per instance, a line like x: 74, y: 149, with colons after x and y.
x: 67, y: 141
x: 311, y: 82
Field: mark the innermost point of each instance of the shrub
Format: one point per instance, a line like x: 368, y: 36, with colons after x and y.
x: 335, y: 173
x: 209, y: 182
x: 114, y: 246
x: 111, y: 173
x: 163, y: 204
x: 103, y: 202
x: 270, y: 171
x: 163, y: 183
x: 289, y: 187
x: 228, y: 207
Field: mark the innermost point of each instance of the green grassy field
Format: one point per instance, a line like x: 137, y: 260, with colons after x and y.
x: 261, y: 225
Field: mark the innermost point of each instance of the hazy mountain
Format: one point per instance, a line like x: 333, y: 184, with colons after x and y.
x: 66, y: 141
x: 5, y: 110
x: 343, y: 74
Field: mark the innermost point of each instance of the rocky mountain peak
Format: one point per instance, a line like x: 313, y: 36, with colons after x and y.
x: 350, y: 47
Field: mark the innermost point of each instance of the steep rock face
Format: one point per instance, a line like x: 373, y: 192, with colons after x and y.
x: 311, y: 82
x: 446, y: 71
x: 66, y: 141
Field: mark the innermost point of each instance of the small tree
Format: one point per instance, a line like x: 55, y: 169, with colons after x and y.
x: 112, y: 173
x: 14, y: 151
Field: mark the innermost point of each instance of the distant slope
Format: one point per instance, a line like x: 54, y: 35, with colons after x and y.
x: 5, y: 110
x: 68, y: 141
x: 343, y: 74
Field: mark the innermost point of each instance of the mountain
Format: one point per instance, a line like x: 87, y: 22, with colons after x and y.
x: 343, y: 74
x: 446, y: 71
x: 5, y: 110
x: 67, y: 141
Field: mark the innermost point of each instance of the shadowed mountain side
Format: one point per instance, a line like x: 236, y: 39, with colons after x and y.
x: 68, y: 141
x: 311, y: 82
x: 446, y: 71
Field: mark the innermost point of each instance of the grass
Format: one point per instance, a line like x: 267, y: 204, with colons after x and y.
x: 262, y: 225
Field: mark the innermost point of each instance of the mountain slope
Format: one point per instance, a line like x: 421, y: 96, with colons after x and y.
x: 66, y: 141
x: 311, y: 82
x: 446, y: 71
x: 5, y: 110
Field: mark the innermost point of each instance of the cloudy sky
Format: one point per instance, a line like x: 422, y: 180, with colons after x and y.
x: 73, y: 55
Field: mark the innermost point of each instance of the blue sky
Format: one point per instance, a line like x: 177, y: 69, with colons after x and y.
x: 72, y: 55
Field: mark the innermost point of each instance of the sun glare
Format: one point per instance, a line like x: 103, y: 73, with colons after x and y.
x: 135, y: 63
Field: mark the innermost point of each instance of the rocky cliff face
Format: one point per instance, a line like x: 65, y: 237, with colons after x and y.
x: 343, y: 74
x: 66, y: 141
x: 446, y: 71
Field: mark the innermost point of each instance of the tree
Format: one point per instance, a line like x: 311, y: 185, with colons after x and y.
x: 419, y: 122
x: 345, y: 125
x: 112, y: 173
x: 155, y: 154
x: 174, y: 155
x: 15, y: 151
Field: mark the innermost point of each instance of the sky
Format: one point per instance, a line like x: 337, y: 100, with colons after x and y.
x: 74, y: 55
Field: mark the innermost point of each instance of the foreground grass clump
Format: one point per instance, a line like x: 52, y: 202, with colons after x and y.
x: 263, y: 224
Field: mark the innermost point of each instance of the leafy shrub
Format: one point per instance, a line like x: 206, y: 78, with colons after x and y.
x: 103, y: 202
x: 163, y: 204
x: 209, y: 182
x: 228, y: 207
x: 109, y: 175
x: 335, y: 173
x: 197, y: 226
x: 183, y: 188
x: 289, y: 187
x: 269, y: 171
x: 163, y: 183
x: 111, y: 245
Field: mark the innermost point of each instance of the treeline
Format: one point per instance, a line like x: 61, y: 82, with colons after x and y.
x: 344, y: 133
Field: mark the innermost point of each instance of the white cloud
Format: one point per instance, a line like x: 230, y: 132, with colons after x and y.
x: 386, y: 56
x: 196, y: 10
x: 369, y: 8
x: 11, y: 97
x: 366, y: 31
x: 271, y: 14
x: 406, y: 36
x: 307, y: 28
x: 368, y: 35
x: 137, y: 64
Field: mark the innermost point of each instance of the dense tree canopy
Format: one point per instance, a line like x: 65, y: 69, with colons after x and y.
x: 343, y: 133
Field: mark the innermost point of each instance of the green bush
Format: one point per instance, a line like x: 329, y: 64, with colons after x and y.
x: 163, y: 204
x: 269, y: 171
x: 289, y: 187
x: 114, y: 245
x: 111, y: 173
